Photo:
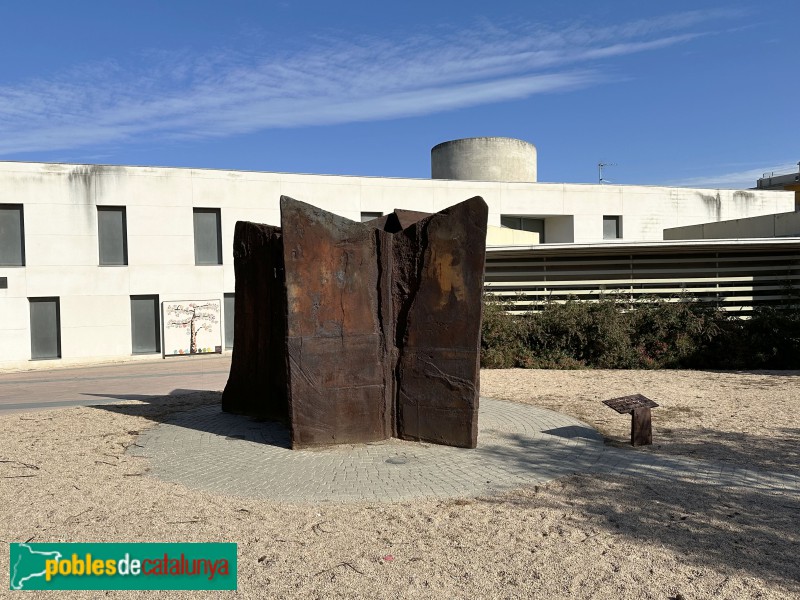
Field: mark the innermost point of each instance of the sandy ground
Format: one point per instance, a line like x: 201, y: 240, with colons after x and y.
x: 64, y: 476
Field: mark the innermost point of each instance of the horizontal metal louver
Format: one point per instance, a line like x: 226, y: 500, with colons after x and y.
x: 735, y: 275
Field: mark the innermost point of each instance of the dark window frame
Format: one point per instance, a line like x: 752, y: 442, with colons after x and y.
x: 197, y: 258
x: 504, y: 219
x: 368, y: 215
x: 124, y: 212
x: 229, y: 323
x: 617, y: 219
x: 42, y: 299
x: 21, y: 209
x: 158, y: 325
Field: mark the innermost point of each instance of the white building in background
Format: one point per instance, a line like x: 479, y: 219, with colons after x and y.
x: 88, y: 253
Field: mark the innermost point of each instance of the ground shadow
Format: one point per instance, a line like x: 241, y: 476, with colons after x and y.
x: 725, y: 527
x: 575, y: 431
x: 779, y: 452
x: 199, y: 410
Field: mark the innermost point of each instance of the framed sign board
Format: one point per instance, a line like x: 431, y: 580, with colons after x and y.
x: 191, y: 327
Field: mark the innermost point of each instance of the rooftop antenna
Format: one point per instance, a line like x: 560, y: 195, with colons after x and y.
x: 600, y: 167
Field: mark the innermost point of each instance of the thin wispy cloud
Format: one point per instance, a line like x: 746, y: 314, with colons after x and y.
x: 181, y: 95
x: 739, y: 179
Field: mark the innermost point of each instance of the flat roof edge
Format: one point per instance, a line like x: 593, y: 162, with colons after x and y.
x: 616, y: 247
x: 465, y: 183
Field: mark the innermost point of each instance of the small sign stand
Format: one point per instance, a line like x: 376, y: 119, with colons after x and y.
x: 638, y: 407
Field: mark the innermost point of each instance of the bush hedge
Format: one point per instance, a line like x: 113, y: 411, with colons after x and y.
x: 652, y: 334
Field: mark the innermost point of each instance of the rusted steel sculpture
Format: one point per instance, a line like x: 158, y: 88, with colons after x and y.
x: 354, y: 332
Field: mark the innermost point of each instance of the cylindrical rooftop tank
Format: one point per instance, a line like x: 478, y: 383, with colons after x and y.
x: 484, y: 159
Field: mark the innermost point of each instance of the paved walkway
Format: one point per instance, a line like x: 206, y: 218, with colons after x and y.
x: 104, y: 384
x: 207, y: 449
x: 518, y: 445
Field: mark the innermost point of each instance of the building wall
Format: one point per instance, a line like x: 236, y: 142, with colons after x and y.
x: 505, y: 236
x: 60, y: 212
x: 766, y: 226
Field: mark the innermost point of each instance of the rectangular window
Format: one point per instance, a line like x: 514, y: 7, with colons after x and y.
x: 207, y: 237
x: 369, y: 216
x: 524, y: 224
x: 145, y: 325
x: 45, y: 328
x: 112, y: 235
x: 229, y: 310
x: 12, y: 236
x: 611, y: 228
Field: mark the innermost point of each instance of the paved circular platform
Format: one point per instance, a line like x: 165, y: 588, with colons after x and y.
x: 517, y: 444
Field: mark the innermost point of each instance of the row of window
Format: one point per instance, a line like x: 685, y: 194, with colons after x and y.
x: 612, y: 224
x: 112, y: 236
x: 45, y: 322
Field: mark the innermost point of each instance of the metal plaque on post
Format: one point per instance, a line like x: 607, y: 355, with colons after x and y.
x: 638, y: 407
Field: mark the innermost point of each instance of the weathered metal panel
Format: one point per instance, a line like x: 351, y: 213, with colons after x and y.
x: 438, y: 283
x: 257, y: 383
x: 338, y: 386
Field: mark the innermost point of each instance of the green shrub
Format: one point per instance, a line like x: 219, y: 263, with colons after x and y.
x: 502, y: 336
x: 650, y: 334
x: 773, y: 334
x: 577, y: 334
x: 674, y: 334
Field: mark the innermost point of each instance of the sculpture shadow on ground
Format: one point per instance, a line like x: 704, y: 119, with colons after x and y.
x: 725, y: 527
x: 177, y: 409
x: 780, y: 452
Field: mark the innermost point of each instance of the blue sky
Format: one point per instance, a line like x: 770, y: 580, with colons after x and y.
x: 682, y: 93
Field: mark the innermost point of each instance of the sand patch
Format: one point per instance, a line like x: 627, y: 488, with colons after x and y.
x: 67, y: 477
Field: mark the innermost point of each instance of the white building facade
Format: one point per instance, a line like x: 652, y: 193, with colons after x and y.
x: 88, y: 253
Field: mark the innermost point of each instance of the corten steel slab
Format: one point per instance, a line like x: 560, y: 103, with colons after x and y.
x: 340, y: 385
x: 257, y: 382
x: 437, y: 285
x: 358, y: 332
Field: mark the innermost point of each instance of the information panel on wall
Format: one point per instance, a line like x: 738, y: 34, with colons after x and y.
x: 192, y: 327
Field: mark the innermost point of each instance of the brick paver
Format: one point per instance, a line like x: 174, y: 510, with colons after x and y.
x: 518, y: 444
x: 207, y: 449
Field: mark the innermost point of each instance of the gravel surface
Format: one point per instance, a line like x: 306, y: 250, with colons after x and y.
x: 65, y: 475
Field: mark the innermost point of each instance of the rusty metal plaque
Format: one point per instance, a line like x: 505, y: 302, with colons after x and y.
x: 627, y: 404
